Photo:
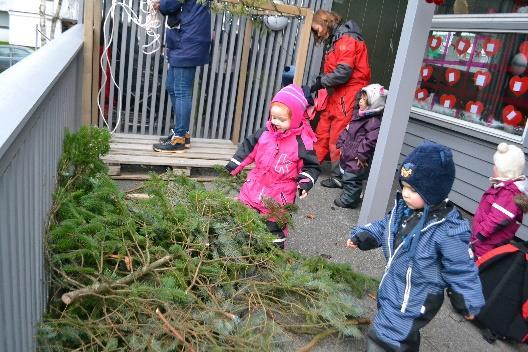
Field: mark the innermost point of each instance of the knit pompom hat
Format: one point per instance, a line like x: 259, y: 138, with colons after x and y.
x: 430, y: 170
x: 509, y: 161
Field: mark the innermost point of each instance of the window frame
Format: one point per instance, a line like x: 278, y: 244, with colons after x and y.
x: 489, y: 23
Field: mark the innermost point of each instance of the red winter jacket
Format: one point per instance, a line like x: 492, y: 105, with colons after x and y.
x: 346, y: 68
x: 499, y: 215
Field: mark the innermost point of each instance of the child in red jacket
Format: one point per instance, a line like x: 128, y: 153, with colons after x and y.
x: 501, y: 208
x: 283, y: 155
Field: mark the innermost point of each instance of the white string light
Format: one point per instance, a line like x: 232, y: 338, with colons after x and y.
x: 151, y: 26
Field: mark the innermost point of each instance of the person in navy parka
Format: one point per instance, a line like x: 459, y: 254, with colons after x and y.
x: 426, y: 243
x: 188, y: 39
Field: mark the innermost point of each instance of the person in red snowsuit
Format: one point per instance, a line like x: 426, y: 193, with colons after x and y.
x: 345, y: 71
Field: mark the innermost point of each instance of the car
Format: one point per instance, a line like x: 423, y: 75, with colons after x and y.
x: 11, y: 54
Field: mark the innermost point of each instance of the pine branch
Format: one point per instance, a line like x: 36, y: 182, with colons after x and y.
x: 317, y: 338
x: 100, y: 287
x: 173, y: 331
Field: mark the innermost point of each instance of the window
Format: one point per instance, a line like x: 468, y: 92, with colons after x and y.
x: 5, y: 51
x: 460, y: 7
x: 475, y: 69
x: 477, y: 77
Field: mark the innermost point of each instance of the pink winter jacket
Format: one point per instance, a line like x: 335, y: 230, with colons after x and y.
x: 499, y: 215
x: 281, y: 161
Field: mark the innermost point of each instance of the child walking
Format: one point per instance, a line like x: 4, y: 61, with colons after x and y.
x: 501, y: 208
x: 283, y: 155
x: 426, y: 243
x: 357, y: 142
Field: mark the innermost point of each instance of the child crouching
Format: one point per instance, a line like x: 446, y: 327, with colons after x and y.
x: 426, y: 243
x: 283, y: 155
x: 357, y: 143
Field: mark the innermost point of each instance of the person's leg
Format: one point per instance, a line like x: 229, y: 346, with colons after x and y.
x: 322, y: 133
x: 179, y: 85
x: 372, y: 346
x: 182, y: 101
x: 352, y: 186
x: 169, y: 86
x: 339, y: 123
x: 280, y: 241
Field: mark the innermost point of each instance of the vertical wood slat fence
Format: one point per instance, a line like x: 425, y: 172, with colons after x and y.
x: 231, y: 94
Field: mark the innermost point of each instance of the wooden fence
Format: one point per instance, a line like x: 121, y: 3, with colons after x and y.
x: 223, y: 108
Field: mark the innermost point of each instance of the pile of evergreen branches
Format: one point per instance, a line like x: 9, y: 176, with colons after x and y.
x: 185, y: 269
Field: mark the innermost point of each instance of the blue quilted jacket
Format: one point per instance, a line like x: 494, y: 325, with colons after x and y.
x: 188, y: 45
x: 411, y: 290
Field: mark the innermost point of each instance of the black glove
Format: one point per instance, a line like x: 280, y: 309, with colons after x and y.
x: 365, y: 241
x: 308, y: 95
x: 317, y: 85
x: 304, y: 183
x: 231, y: 166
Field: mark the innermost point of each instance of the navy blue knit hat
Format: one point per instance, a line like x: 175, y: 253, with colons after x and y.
x: 430, y: 170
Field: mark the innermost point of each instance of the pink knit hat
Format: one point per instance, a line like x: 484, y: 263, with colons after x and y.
x: 293, y: 97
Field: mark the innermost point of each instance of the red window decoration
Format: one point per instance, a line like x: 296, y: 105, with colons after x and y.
x: 481, y: 78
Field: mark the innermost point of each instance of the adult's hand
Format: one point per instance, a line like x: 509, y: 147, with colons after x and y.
x: 317, y: 85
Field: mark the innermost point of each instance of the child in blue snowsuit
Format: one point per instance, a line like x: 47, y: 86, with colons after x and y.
x: 426, y: 243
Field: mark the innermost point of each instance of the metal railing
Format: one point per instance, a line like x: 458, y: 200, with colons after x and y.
x: 39, y: 98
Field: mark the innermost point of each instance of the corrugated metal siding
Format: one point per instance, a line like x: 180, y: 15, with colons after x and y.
x: 473, y: 159
x: 28, y: 170
x: 381, y: 23
x: 146, y: 107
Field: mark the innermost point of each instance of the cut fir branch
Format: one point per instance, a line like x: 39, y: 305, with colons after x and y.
x: 203, y: 259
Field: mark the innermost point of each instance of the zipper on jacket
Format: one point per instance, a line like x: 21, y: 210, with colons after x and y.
x: 407, y: 292
x: 390, y: 223
x: 387, y: 267
x: 343, y: 106
x: 283, y: 198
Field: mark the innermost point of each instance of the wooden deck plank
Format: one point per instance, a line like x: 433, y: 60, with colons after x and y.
x: 154, y: 139
x: 194, y: 149
x: 185, y: 155
x: 163, y: 160
x: 133, y: 149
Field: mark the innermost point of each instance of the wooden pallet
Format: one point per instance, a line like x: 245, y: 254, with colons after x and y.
x: 132, y: 149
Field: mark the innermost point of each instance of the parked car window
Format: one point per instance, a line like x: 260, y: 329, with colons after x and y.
x: 477, y: 77
x: 460, y: 7
x: 19, y: 52
x: 5, y: 51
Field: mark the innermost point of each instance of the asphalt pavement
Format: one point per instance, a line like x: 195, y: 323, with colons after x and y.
x: 321, y: 229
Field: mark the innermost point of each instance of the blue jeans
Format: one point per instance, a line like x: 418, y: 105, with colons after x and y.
x: 180, y: 81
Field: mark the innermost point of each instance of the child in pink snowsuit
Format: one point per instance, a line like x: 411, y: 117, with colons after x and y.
x: 283, y: 155
x: 501, y: 208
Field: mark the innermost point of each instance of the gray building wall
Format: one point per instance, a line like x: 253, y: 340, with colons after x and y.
x: 381, y: 23
x: 473, y: 155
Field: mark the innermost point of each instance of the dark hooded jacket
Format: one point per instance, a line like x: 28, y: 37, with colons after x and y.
x: 188, y: 45
x: 358, y: 139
